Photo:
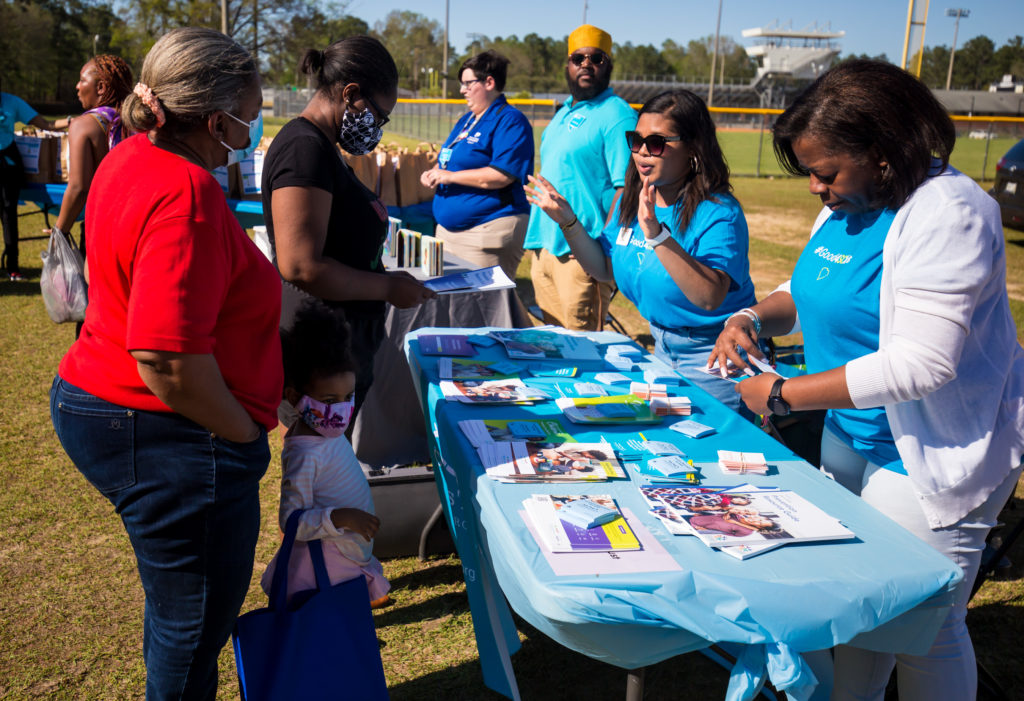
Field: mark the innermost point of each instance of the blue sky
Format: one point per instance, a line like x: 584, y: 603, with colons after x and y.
x: 872, y: 26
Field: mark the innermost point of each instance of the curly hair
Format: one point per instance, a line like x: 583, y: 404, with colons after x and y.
x: 317, y: 345
x: 115, y: 72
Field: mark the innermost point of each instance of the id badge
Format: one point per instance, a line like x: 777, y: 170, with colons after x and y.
x: 444, y: 156
x: 625, y: 234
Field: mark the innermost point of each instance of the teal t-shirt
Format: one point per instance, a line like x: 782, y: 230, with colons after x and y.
x: 583, y: 153
x: 836, y: 285
x: 12, y: 110
x: 716, y: 236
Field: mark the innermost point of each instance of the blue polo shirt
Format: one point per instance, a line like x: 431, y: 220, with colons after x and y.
x: 835, y: 286
x: 583, y: 153
x: 716, y: 236
x: 12, y: 110
x: 503, y: 140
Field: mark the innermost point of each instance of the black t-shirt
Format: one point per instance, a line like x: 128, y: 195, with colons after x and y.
x: 302, y: 156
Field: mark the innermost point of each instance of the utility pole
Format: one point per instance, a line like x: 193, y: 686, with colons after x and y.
x: 444, y: 56
x: 958, y: 13
x: 223, y: 16
x: 714, y: 56
x: 585, y: 11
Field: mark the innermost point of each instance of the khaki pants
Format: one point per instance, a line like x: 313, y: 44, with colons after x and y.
x: 497, y: 242
x: 566, y: 294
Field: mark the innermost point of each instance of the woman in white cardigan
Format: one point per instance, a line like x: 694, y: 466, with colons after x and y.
x: 908, y: 337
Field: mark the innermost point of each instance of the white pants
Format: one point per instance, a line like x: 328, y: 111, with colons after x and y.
x: 948, y: 671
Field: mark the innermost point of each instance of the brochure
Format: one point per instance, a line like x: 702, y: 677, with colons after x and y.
x: 482, y: 280
x: 481, y: 432
x: 540, y: 344
x: 461, y: 369
x: 520, y: 461
x: 509, y: 390
x: 558, y: 535
x: 740, y: 463
x: 732, y: 517
x: 617, y: 409
x: 445, y: 344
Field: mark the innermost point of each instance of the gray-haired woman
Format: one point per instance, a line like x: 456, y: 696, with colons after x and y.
x: 164, y: 401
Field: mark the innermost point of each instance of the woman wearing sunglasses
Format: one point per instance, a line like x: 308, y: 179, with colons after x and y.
x: 327, y: 228
x: 676, y: 241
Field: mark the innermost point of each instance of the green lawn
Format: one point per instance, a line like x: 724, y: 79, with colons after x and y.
x: 70, y: 602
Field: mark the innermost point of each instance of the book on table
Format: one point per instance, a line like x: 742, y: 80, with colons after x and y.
x: 509, y: 390
x: 484, y: 431
x: 546, y: 344
x: 521, y: 461
x: 561, y: 536
x: 616, y: 409
x: 734, y: 517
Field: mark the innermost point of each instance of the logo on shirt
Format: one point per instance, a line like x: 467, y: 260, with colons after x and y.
x: 576, y: 121
x: 837, y: 258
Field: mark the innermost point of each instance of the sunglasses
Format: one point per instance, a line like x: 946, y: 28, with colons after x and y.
x: 596, y: 58
x: 655, y: 143
x: 382, y: 116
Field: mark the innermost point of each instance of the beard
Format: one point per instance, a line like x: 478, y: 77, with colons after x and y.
x: 602, y: 79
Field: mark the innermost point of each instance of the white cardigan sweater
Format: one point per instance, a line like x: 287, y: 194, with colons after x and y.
x: 948, y: 369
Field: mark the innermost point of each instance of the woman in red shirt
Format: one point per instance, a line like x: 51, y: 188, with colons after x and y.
x: 165, y: 400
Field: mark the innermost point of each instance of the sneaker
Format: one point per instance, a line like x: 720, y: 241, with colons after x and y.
x: 15, y: 277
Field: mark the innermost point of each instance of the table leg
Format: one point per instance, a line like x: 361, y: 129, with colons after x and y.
x: 635, y: 684
x: 431, y: 522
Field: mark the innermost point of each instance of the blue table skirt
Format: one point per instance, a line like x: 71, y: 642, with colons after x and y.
x: 886, y: 590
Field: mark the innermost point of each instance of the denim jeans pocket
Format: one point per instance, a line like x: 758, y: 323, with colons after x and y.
x: 98, y: 436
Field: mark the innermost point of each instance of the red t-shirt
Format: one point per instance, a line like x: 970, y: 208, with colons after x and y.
x: 170, y: 269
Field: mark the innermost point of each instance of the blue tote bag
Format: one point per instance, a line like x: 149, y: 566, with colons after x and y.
x: 320, y: 645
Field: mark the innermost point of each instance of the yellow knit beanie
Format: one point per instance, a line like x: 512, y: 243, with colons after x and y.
x: 588, y: 35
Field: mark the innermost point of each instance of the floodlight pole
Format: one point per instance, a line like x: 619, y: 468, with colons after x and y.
x: 714, y: 56
x: 223, y: 16
x: 444, y: 56
x: 958, y: 13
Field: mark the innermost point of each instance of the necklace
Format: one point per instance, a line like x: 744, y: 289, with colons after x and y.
x: 179, y: 148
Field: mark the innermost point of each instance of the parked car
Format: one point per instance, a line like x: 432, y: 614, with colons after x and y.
x: 1009, y: 187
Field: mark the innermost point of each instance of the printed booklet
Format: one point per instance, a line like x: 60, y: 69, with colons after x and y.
x: 617, y: 409
x: 545, y: 344
x: 481, y: 432
x: 493, y: 278
x: 550, y: 462
x: 733, y: 517
x: 561, y: 536
x: 471, y: 369
x: 509, y: 390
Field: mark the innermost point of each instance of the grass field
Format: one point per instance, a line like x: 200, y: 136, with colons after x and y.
x: 70, y: 601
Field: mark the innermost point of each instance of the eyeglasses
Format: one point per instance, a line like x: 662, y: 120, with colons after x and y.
x: 467, y: 83
x: 382, y: 116
x: 655, y: 143
x: 596, y: 58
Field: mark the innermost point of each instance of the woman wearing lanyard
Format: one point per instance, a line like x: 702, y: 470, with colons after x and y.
x: 480, y: 207
x: 909, y: 340
x: 676, y: 241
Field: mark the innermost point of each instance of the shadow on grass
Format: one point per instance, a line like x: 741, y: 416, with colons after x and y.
x: 429, y: 576
x: 546, y: 670
x: 423, y: 612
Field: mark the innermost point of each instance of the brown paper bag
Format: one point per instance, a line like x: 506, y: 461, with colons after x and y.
x: 387, y: 189
x: 426, y: 160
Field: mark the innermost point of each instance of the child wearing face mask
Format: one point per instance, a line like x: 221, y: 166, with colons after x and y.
x: 320, y: 472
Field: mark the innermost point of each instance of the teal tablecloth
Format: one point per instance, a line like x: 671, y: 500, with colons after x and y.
x: 885, y: 590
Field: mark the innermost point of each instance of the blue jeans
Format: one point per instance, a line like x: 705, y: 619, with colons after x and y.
x: 189, y: 502
x: 687, y: 351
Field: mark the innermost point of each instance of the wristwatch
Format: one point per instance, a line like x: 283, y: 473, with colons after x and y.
x: 661, y: 238
x: 778, y: 405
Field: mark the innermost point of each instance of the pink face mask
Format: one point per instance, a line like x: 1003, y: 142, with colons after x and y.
x: 329, y: 420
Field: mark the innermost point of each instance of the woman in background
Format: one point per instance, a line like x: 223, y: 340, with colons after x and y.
x: 480, y: 207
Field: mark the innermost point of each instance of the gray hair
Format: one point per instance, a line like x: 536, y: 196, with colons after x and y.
x: 193, y: 72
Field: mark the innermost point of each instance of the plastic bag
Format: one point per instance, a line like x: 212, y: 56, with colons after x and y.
x: 63, y: 279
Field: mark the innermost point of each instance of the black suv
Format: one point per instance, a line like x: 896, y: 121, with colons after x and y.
x: 1009, y: 187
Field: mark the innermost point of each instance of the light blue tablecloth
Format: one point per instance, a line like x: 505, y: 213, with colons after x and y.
x: 885, y: 590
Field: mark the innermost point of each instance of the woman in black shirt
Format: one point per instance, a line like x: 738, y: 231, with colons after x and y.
x: 327, y: 228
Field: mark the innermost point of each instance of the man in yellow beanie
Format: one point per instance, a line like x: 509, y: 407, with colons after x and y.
x: 583, y: 153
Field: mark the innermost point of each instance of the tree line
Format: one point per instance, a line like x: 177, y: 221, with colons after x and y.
x: 44, y: 43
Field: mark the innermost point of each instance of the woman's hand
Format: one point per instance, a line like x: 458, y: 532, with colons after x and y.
x: 433, y: 177
x: 755, y: 390
x: 738, y: 333
x: 544, y: 195
x: 649, y: 223
x: 405, y: 291
x: 357, y: 521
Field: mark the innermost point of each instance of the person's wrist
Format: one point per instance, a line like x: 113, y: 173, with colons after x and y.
x: 565, y: 226
x: 660, y: 237
x: 749, y: 313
